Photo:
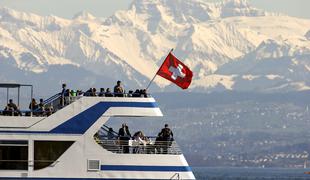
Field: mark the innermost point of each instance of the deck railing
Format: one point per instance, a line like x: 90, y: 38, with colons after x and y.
x: 135, y: 147
x: 58, y: 101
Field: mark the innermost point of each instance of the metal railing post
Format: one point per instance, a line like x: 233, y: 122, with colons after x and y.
x: 7, y: 95
x: 31, y: 112
x: 18, y: 95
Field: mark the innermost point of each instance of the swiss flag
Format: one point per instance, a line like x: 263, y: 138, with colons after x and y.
x: 175, y: 71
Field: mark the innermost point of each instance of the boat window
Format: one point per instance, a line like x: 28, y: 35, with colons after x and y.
x: 47, y: 152
x: 13, y: 155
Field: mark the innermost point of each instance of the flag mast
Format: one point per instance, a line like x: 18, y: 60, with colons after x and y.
x: 156, y: 73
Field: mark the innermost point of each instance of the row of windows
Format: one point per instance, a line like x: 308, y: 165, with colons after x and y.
x: 14, y: 154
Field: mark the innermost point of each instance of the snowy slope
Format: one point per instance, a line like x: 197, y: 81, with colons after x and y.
x: 34, y: 43
x: 281, y: 65
x: 229, y: 45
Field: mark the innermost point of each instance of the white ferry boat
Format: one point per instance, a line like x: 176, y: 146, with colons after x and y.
x: 64, y: 145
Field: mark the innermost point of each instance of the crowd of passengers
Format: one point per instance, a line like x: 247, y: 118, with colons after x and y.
x: 11, y: 109
x: 162, y: 142
x: 118, y: 91
x: 42, y: 109
x: 37, y: 109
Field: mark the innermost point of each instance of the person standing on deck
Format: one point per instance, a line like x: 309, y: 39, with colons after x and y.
x: 118, y: 89
x: 63, y: 92
x: 167, y: 136
x: 33, y: 105
x: 124, y: 137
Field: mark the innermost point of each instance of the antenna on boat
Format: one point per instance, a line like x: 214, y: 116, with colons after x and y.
x: 157, y: 72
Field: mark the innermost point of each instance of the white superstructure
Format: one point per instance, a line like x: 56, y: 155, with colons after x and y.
x: 62, y: 145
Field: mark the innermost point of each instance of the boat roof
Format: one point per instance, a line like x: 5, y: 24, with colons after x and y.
x: 12, y: 85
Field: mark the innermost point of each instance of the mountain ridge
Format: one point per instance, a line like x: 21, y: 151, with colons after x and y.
x: 131, y: 44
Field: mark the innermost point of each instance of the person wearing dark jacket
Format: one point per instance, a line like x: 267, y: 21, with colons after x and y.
x: 124, y: 137
x: 63, y: 94
x: 102, y: 92
x: 167, y: 137
x: 108, y: 93
x: 33, y: 104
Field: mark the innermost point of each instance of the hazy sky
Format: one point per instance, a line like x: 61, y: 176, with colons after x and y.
x: 104, y: 8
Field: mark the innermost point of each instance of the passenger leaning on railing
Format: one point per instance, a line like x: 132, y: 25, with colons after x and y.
x: 33, y: 105
x: 41, y: 108
x: 108, y: 93
x: 79, y: 93
x: 49, y: 110
x: 124, y: 137
x: 136, y: 93
x: 130, y: 93
x: 102, y: 92
x: 88, y: 92
x: 91, y: 92
x: 143, y: 93
x: 167, y: 136
x: 94, y: 92
x: 138, y: 141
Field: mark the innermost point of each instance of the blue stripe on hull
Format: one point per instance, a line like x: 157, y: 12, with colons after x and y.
x: 171, y: 169
x: 41, y: 178
x: 7, y: 178
x: 80, y: 123
x: 145, y: 168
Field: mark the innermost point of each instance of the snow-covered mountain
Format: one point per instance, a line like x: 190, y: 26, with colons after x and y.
x: 229, y: 45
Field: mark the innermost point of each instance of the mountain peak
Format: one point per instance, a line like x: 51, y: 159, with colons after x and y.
x: 231, y: 8
x: 6, y: 12
x: 84, y: 15
x: 273, y: 49
x: 236, y: 3
x: 187, y: 11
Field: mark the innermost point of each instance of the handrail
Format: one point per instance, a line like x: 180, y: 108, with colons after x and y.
x: 49, y: 100
x: 19, y: 145
x: 8, y: 160
x: 135, y: 147
x: 107, y: 130
x: 52, y: 100
x: 112, y: 94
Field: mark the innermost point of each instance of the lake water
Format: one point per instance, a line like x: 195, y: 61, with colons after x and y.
x: 206, y: 173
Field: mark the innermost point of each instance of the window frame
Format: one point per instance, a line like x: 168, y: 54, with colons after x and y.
x: 23, y: 152
x: 51, y: 161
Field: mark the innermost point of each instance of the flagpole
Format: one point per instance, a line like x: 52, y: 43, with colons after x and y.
x: 156, y: 73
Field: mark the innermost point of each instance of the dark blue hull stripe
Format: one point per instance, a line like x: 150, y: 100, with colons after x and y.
x: 41, y: 178
x: 80, y: 123
x: 145, y: 168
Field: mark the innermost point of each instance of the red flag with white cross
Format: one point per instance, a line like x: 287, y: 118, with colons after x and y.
x: 175, y: 71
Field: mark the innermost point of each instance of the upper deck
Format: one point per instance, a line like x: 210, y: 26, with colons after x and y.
x: 78, y: 114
